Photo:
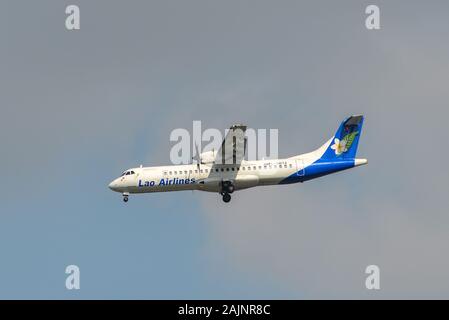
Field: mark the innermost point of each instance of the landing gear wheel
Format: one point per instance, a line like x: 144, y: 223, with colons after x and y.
x: 125, y: 198
x: 226, y: 197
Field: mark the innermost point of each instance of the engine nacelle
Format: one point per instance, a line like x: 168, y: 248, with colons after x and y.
x: 208, y: 156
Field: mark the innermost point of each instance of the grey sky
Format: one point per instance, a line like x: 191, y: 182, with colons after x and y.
x: 79, y: 107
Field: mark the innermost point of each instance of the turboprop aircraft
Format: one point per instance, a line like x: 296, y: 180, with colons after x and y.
x: 226, y: 171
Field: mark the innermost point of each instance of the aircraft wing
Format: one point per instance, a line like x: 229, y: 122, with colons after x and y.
x: 233, y: 148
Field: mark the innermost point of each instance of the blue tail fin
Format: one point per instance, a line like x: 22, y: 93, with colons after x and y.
x: 345, y: 141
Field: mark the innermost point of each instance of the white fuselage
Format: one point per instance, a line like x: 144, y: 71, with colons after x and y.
x: 206, y: 177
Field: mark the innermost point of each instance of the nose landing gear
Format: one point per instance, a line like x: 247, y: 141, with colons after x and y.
x: 125, y: 197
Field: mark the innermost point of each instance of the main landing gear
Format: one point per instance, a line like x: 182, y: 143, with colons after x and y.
x: 125, y: 197
x: 226, y: 189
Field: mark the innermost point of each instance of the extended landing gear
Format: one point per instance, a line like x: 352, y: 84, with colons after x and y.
x: 227, y: 188
x: 125, y: 197
x: 226, y: 197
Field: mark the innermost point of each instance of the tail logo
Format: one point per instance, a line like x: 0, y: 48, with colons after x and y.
x: 343, y: 145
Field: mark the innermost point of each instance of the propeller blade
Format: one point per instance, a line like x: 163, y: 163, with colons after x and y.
x: 197, y: 156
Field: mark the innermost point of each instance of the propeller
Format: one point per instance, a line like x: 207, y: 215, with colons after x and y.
x: 197, y: 157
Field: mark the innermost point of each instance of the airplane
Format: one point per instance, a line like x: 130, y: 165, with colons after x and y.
x: 226, y: 171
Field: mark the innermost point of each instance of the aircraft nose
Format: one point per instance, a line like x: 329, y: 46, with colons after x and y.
x: 113, y: 185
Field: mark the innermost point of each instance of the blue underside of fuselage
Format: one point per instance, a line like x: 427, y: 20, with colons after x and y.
x: 318, y: 169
